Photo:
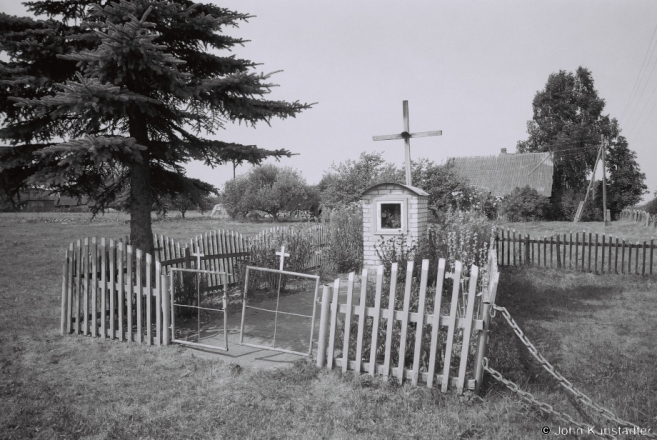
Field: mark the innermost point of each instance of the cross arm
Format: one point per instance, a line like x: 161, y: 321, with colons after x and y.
x: 387, y: 137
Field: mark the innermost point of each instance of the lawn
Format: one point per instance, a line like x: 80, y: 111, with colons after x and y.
x: 597, y: 330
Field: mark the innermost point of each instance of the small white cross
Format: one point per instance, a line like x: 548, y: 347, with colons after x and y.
x: 198, y: 256
x: 283, y: 255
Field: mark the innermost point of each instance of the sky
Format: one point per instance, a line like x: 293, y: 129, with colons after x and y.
x: 468, y: 68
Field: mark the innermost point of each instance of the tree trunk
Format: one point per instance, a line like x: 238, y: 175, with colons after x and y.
x: 141, y: 232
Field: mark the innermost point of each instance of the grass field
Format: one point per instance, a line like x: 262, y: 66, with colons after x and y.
x: 623, y: 229
x: 597, y: 330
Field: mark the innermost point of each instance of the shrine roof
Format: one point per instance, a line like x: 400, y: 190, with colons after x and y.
x: 413, y: 189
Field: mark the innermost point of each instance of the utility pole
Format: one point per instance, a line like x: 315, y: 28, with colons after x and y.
x: 604, y: 180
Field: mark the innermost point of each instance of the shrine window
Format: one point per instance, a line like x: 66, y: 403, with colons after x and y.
x: 390, y: 216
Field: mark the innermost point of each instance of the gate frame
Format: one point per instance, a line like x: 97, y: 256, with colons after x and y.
x: 224, y: 277
x: 276, y: 312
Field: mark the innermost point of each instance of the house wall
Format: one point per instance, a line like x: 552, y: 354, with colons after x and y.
x: 416, y: 223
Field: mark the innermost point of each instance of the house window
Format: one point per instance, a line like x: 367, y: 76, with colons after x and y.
x: 390, y: 216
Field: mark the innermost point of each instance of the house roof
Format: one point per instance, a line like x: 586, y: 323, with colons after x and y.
x: 502, y: 173
x: 417, y: 191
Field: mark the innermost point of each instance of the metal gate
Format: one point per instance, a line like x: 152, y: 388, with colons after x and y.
x: 309, y: 286
x: 199, y: 308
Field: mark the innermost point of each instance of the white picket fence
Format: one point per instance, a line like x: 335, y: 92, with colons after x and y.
x: 461, y: 326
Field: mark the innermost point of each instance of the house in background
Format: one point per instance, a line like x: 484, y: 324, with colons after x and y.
x: 37, y: 200
x: 501, y: 174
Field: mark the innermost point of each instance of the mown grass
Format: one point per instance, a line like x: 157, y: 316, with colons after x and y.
x: 597, y: 330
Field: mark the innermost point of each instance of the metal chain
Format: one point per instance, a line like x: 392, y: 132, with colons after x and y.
x: 545, y: 407
x: 565, y: 383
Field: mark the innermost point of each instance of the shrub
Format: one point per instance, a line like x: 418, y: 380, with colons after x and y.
x: 524, y: 204
x: 344, y: 252
x: 299, y: 243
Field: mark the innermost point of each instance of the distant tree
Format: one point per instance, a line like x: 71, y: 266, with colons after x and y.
x: 446, y: 188
x: 265, y: 188
x: 524, y: 204
x: 568, y: 121
x: 129, y: 90
x: 625, y: 181
x: 344, y: 183
x: 190, y: 194
x: 233, y: 195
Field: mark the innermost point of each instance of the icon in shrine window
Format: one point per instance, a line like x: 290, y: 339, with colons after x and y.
x: 390, y: 216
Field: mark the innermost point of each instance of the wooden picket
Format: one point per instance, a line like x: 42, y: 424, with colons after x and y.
x: 458, y: 327
x: 105, y: 293
x: 592, y: 253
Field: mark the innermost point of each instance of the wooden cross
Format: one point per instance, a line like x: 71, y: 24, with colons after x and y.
x: 407, y: 141
x: 283, y: 255
x: 198, y: 256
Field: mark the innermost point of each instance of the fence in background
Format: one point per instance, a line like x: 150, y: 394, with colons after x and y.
x: 639, y: 216
x: 587, y: 252
x: 463, y: 329
x: 222, y: 250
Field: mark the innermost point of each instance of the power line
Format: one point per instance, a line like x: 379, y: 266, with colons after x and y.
x: 641, y: 70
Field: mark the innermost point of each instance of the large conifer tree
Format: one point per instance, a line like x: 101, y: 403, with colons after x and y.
x: 118, y: 102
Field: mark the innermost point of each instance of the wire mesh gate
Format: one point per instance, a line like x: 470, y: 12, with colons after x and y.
x: 199, y: 308
x: 259, y: 287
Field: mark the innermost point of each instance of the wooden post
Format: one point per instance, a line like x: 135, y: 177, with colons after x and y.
x: 651, y: 249
x: 419, y: 329
x: 347, y: 324
x: 112, y: 288
x: 452, y: 325
x: 551, y: 251
x: 166, y: 312
x: 62, y: 329
x: 85, y: 273
x: 376, y: 320
x: 623, y: 258
x: 558, y: 251
x: 435, y: 324
x: 616, y: 257
x: 576, y: 247
x: 361, y: 321
x: 391, y: 318
x: 590, y: 243
x: 334, y: 323
x: 482, y: 340
x: 94, y: 288
x: 609, y: 257
x: 103, y: 288
x: 636, y: 259
x: 545, y: 262
x: 404, y: 321
x: 465, y: 347
x: 528, y: 261
x: 570, y: 252
x: 502, y: 259
x: 323, y: 326
x: 596, y: 253
x: 514, y: 247
x: 643, y: 266
x: 563, y: 257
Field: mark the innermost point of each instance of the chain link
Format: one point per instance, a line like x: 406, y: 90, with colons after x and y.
x: 545, y: 407
x: 565, y: 383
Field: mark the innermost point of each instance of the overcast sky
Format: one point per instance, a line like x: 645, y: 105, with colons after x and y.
x: 468, y: 68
